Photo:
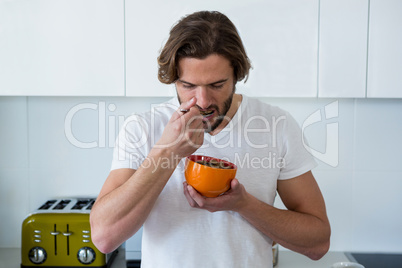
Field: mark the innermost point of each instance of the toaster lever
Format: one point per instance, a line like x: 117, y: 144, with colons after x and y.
x: 67, y: 233
x: 55, y: 233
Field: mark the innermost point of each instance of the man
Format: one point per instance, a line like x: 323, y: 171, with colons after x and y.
x: 205, y: 57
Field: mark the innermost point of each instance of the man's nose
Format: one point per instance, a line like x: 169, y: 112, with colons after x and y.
x: 203, y: 97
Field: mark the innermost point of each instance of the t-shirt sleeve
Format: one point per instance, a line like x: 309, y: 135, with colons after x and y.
x: 129, y: 150
x: 296, y: 157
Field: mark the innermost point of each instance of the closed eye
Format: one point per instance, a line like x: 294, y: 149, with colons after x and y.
x: 217, y: 86
x: 187, y: 85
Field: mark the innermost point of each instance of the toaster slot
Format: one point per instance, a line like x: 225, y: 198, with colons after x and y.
x: 91, y: 204
x: 47, y: 205
x: 62, y: 204
x: 81, y: 204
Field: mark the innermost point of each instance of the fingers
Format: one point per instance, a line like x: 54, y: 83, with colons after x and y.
x: 234, y: 184
x: 191, y: 116
x: 192, y: 120
x: 185, y: 107
x: 235, y: 187
x: 190, y: 113
x: 193, y: 197
x: 184, y: 133
x: 186, y: 189
x: 227, y: 201
x: 188, y: 104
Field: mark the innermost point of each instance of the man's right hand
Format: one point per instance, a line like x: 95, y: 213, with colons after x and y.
x: 184, y: 133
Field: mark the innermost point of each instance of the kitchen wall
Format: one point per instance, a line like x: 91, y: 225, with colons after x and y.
x: 62, y: 146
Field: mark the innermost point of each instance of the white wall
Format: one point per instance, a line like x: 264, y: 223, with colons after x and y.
x: 38, y: 160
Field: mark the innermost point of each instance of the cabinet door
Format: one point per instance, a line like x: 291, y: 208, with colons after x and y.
x: 62, y: 48
x: 384, y: 51
x: 147, y: 28
x: 343, y: 48
x: 281, y: 39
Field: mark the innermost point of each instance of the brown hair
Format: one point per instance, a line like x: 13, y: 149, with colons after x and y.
x: 199, y: 35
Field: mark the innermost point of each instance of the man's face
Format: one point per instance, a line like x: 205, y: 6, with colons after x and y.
x: 211, y: 81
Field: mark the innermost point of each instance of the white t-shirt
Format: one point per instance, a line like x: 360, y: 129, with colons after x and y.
x: 264, y: 142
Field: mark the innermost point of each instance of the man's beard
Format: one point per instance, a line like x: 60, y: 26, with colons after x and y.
x: 221, y: 114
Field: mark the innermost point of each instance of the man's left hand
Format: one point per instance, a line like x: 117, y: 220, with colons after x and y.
x: 230, y: 200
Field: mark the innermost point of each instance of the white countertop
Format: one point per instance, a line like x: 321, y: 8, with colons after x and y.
x: 11, y: 258
x: 290, y: 259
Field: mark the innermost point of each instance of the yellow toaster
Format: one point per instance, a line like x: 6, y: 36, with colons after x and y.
x: 58, y: 234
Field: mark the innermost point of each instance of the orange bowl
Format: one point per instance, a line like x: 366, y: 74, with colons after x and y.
x: 208, y: 175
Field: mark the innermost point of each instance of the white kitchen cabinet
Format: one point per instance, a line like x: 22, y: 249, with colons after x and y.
x: 62, y: 48
x: 384, y: 50
x: 281, y: 39
x: 343, y: 48
x: 147, y: 28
